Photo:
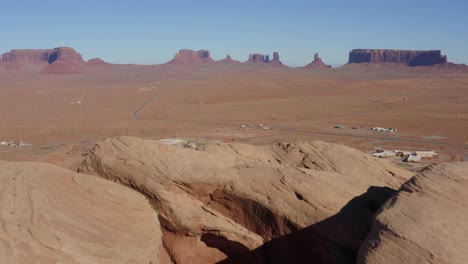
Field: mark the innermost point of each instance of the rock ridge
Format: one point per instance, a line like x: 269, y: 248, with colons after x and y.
x: 187, y: 56
x: 406, y: 57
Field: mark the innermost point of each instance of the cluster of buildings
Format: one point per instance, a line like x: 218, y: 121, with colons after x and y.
x: 377, y: 129
x: 407, y: 156
x: 259, y: 126
x: 383, y: 129
x: 14, y: 144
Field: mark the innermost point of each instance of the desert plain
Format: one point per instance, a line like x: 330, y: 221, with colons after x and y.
x: 62, y: 112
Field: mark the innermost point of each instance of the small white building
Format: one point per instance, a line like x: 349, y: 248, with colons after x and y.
x: 384, y: 154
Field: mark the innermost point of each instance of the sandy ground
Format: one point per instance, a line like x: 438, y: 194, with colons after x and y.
x: 63, y: 115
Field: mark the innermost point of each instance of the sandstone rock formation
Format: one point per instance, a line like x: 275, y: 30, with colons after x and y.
x: 425, y: 223
x: 224, y: 201
x: 65, y: 55
x: 406, y: 57
x: 276, y: 60
x: 30, y: 56
x: 186, y: 56
x: 59, y: 55
x: 258, y: 58
x: 52, y: 215
x: 265, y: 59
x: 97, y: 61
x: 228, y: 60
x: 317, y: 63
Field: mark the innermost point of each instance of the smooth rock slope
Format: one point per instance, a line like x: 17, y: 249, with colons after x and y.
x: 427, y: 222
x: 52, y: 215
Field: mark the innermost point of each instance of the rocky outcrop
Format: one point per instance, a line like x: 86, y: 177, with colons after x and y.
x: 57, y: 55
x: 224, y: 201
x: 187, y: 56
x: 258, y: 58
x: 426, y: 222
x: 97, y: 61
x: 29, y: 56
x: 265, y: 59
x: 52, y: 215
x: 228, y: 60
x: 406, y: 57
x: 276, y: 60
x: 317, y: 63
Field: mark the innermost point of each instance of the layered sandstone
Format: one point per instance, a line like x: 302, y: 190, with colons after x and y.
x: 407, y: 57
x: 186, y: 56
x: 223, y: 202
x: 52, y: 215
x: 426, y: 222
x: 317, y: 63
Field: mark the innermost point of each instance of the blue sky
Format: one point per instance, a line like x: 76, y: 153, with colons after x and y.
x: 151, y: 32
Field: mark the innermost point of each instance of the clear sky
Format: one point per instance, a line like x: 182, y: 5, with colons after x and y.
x: 151, y: 31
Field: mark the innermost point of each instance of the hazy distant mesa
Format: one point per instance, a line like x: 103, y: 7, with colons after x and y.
x: 67, y: 60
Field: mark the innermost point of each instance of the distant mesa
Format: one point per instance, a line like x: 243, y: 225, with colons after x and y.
x: 264, y: 59
x: 97, y: 61
x: 40, y: 56
x: 57, y: 60
x: 258, y: 58
x: 317, y: 63
x: 406, y: 57
x: 186, y: 56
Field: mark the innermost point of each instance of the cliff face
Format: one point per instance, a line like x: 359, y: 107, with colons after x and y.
x: 31, y: 56
x: 190, y: 56
x: 37, y: 56
x: 408, y: 57
x: 65, y: 55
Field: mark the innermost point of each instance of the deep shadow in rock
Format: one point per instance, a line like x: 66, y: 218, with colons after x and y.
x: 235, y: 251
x: 334, y: 240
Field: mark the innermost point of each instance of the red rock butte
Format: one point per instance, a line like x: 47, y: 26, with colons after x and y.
x: 257, y: 58
x: 407, y: 57
x: 317, y: 63
x: 38, y: 56
x: 186, y: 56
